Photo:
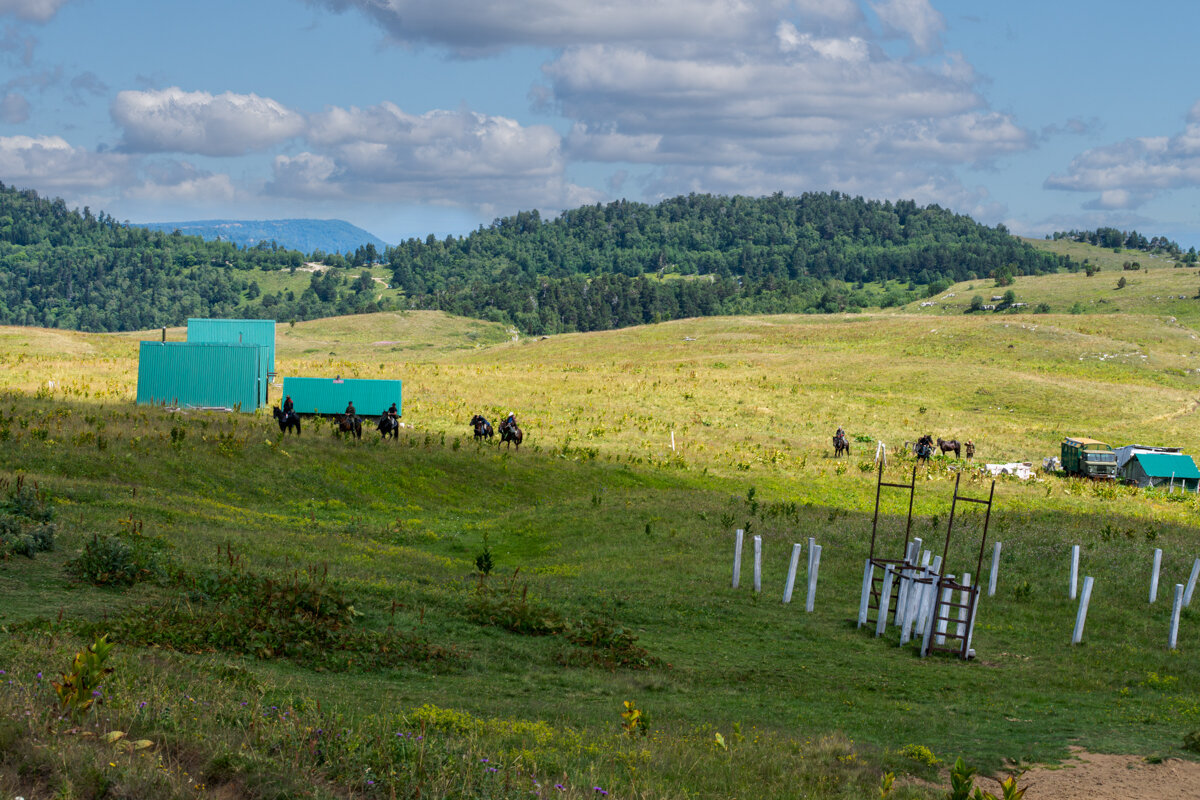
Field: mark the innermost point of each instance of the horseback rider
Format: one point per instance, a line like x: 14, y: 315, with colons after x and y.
x: 393, y: 412
x: 287, y: 405
x: 841, y: 433
x: 350, y: 412
x: 509, y: 424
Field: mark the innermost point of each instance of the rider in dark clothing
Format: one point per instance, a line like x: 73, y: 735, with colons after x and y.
x: 287, y: 405
x: 393, y: 412
x: 350, y: 412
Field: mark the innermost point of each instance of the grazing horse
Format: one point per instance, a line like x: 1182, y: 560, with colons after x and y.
x: 924, y: 448
x: 351, y: 424
x: 949, y: 446
x: 388, y: 426
x: 483, y: 428
x: 841, y: 445
x: 287, y: 420
x: 509, y: 432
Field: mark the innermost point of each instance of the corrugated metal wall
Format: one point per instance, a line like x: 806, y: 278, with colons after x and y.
x: 196, y: 374
x: 235, y: 331
x: 330, y: 396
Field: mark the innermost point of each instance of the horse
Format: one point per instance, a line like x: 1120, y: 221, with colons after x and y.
x: 287, y: 420
x: 483, y: 428
x: 841, y: 445
x: 924, y: 448
x: 349, y: 424
x: 388, y: 426
x: 949, y: 446
x: 509, y: 432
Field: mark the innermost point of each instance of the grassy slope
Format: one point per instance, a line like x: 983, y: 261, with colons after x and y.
x: 602, y: 517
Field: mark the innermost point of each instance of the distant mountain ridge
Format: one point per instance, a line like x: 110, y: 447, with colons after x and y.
x: 305, y: 235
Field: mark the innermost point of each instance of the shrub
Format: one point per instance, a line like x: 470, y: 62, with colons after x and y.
x: 121, y: 559
x: 25, y: 520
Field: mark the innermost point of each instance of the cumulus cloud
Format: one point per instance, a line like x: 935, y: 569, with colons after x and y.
x: 14, y: 108
x: 1126, y: 174
x: 472, y: 28
x: 915, y: 20
x: 453, y: 157
x: 33, y: 10
x: 173, y: 120
x: 50, y: 162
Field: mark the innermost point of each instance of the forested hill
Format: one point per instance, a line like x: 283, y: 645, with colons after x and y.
x: 70, y: 269
x: 627, y: 263
x: 591, y: 268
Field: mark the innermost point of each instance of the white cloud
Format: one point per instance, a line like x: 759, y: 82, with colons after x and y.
x: 457, y: 158
x: 1129, y: 173
x: 172, y: 120
x: 33, y: 10
x: 50, y: 162
x: 915, y: 20
x: 472, y: 28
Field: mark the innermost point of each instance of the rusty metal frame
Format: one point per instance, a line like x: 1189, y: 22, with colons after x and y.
x: 961, y: 648
x: 898, y: 564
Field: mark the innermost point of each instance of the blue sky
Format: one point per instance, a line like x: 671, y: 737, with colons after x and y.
x: 410, y: 117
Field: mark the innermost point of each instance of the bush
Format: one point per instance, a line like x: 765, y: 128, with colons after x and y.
x: 122, y: 559
x: 25, y: 520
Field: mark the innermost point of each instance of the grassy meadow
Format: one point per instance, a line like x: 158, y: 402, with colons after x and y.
x: 239, y: 662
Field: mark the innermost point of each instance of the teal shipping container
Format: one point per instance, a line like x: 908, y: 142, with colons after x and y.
x: 202, y: 375
x: 331, y: 395
x: 236, y: 331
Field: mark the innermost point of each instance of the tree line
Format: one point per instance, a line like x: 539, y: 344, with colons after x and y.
x: 591, y: 268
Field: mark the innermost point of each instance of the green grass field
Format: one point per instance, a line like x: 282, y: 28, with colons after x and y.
x: 611, y: 553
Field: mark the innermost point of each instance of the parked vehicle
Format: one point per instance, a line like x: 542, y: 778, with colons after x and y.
x: 1089, y: 458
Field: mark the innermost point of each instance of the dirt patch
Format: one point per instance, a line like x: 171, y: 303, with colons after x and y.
x: 1091, y: 776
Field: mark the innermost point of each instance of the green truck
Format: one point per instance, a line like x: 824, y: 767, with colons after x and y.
x: 1089, y: 458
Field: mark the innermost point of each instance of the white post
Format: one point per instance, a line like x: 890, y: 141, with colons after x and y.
x: 1081, y: 616
x: 791, y: 578
x: 1173, y: 640
x: 971, y: 626
x: 885, y: 599
x: 1074, y: 570
x: 912, y: 609
x: 812, y: 578
x: 1154, y: 574
x: 963, y: 597
x: 995, y: 570
x: 737, y: 557
x: 910, y: 557
x: 929, y: 613
x: 757, y: 564
x: 1191, y: 584
x: 672, y: 441
x: 864, y: 602
x: 812, y: 542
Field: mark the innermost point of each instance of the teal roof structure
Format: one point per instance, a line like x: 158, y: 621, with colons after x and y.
x: 1163, y: 465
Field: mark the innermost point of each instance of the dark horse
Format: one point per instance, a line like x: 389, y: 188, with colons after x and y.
x: 287, y: 420
x: 483, y: 428
x: 351, y: 424
x: 388, y: 426
x: 509, y: 432
x: 949, y: 446
x: 840, y: 445
x: 924, y: 448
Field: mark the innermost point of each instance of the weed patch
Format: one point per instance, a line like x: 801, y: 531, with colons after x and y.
x: 303, y: 618
x: 26, y: 520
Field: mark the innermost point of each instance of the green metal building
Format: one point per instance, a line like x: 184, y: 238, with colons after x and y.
x: 330, y: 395
x: 1162, y: 471
x: 236, y: 331
x: 202, y: 375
